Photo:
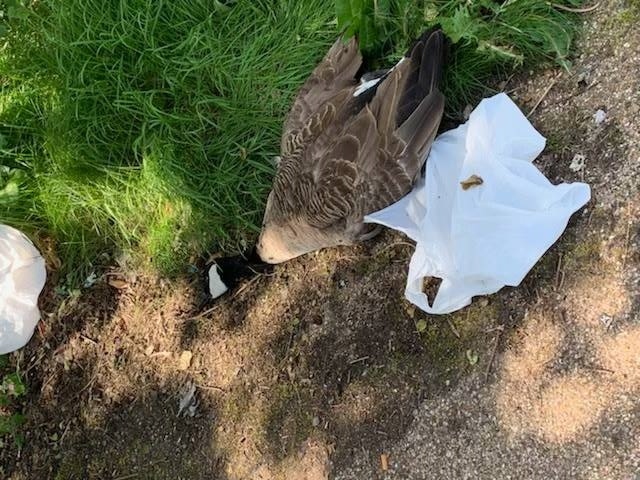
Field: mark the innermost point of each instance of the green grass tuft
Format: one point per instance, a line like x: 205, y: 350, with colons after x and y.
x: 491, y: 38
x: 12, y: 387
x: 148, y: 127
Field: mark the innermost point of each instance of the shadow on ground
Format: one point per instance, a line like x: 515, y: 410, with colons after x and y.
x: 316, y: 371
x: 293, y: 373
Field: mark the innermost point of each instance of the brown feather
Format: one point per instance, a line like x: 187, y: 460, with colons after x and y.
x: 344, y: 156
x: 335, y: 73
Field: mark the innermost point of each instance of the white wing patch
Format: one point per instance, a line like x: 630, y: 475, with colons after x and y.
x: 364, y: 86
x: 216, y: 285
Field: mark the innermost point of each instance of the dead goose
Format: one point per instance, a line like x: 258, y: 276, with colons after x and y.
x: 350, y: 148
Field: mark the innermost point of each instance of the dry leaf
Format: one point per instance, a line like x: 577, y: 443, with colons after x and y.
x: 184, y: 362
x: 410, y: 309
x: 577, y: 163
x: 117, y: 283
x: 472, y: 357
x: 188, y: 402
x: 384, y: 462
x: 430, y: 287
x: 472, y: 181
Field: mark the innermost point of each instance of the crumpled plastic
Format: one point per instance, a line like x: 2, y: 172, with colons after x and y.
x: 489, y: 235
x: 22, y: 278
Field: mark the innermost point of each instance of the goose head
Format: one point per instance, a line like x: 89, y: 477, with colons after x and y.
x: 287, y: 235
x: 282, y: 241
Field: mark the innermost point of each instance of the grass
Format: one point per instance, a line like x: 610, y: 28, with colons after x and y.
x: 147, y: 128
x: 12, y: 388
x: 491, y: 38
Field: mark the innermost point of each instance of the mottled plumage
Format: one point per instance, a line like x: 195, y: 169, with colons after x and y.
x: 348, y: 150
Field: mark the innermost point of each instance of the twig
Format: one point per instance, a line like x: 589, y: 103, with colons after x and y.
x: 506, y: 82
x: 126, y: 477
x: 206, y: 312
x: 546, y: 92
x: 40, y: 329
x: 600, y: 369
x: 211, y: 387
x: 358, y: 360
x: 34, y: 364
x: 247, y: 285
x: 47, y: 381
x: 591, y: 85
x: 64, y: 434
x: 163, y: 354
x: 493, y: 354
x: 453, y: 328
x: 575, y: 10
x: 88, y: 385
x: 87, y: 339
x: 626, y: 246
x: 558, y: 271
x: 494, y: 329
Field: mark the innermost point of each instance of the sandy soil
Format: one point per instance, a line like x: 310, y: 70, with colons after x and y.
x: 319, y: 372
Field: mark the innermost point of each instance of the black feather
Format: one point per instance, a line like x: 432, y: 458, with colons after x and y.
x: 237, y: 268
x: 428, y: 55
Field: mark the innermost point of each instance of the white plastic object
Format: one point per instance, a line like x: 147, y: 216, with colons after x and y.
x: 22, y: 278
x: 490, y: 234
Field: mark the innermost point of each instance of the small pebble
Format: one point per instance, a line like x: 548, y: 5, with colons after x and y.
x: 600, y: 116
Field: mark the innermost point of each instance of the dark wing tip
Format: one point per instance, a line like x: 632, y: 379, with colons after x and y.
x: 427, y: 56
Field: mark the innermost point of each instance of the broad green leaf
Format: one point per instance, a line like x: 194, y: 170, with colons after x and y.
x: 343, y: 13
x: 367, y: 34
x: 357, y: 9
x: 10, y: 182
x: 14, y: 385
x: 10, y: 424
x: 460, y: 26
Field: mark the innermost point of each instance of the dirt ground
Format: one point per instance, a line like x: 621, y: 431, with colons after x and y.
x: 318, y: 371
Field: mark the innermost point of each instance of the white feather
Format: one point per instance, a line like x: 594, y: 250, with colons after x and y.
x: 364, y: 86
x: 216, y: 285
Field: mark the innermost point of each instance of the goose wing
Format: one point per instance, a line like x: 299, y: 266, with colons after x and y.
x: 371, y: 160
x: 321, y: 96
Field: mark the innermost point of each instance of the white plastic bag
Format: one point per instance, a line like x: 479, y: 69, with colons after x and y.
x: 22, y: 278
x: 490, y: 235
